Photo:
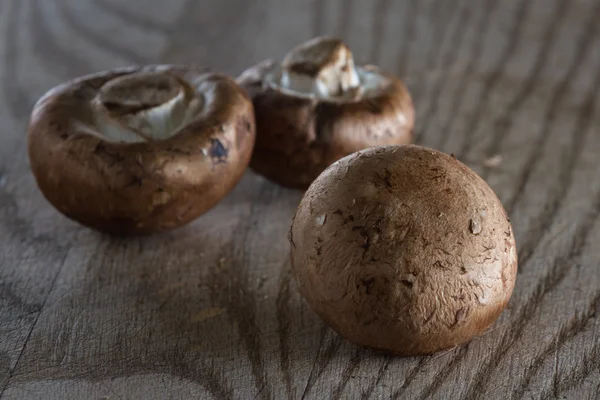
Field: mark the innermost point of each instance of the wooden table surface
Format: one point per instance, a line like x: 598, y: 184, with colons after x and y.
x: 210, y: 310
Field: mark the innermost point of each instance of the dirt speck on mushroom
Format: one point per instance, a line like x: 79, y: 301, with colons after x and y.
x: 475, y: 227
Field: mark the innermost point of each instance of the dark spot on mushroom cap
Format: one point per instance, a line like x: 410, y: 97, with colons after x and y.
x: 407, y: 283
x: 367, y: 284
x: 387, y: 177
x: 365, y: 236
x: 378, y: 225
x: 218, y: 152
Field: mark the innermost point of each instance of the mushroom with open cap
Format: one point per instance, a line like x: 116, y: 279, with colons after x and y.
x: 141, y: 149
x: 316, y: 107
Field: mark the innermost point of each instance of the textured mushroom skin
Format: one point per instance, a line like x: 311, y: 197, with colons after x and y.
x: 403, y: 249
x: 298, y: 137
x: 144, y: 187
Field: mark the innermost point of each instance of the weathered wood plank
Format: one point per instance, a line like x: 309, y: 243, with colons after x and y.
x: 210, y: 310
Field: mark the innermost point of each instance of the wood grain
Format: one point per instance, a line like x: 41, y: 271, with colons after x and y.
x: 211, y: 310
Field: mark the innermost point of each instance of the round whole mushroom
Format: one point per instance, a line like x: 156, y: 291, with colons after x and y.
x: 143, y: 149
x: 403, y: 249
x: 316, y: 107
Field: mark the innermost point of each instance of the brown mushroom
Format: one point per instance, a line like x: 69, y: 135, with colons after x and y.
x: 403, y: 249
x: 140, y: 150
x: 317, y: 107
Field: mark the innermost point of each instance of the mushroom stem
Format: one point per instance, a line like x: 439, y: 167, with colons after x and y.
x: 149, y: 106
x: 323, y: 66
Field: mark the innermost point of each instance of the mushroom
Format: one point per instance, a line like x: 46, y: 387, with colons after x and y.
x: 141, y: 149
x: 316, y: 107
x: 403, y: 249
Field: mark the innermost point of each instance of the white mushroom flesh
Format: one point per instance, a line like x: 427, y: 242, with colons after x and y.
x: 370, y: 83
x: 323, y: 68
x: 144, y: 106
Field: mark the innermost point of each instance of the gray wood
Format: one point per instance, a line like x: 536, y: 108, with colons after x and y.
x: 210, y: 310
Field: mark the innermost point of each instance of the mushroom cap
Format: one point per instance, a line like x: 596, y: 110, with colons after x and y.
x: 403, y: 249
x: 299, y: 134
x: 142, y: 149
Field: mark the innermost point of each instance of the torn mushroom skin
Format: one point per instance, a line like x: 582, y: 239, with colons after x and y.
x: 140, y: 150
x: 316, y: 107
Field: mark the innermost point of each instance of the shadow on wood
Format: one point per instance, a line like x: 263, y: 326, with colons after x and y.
x: 173, y: 303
